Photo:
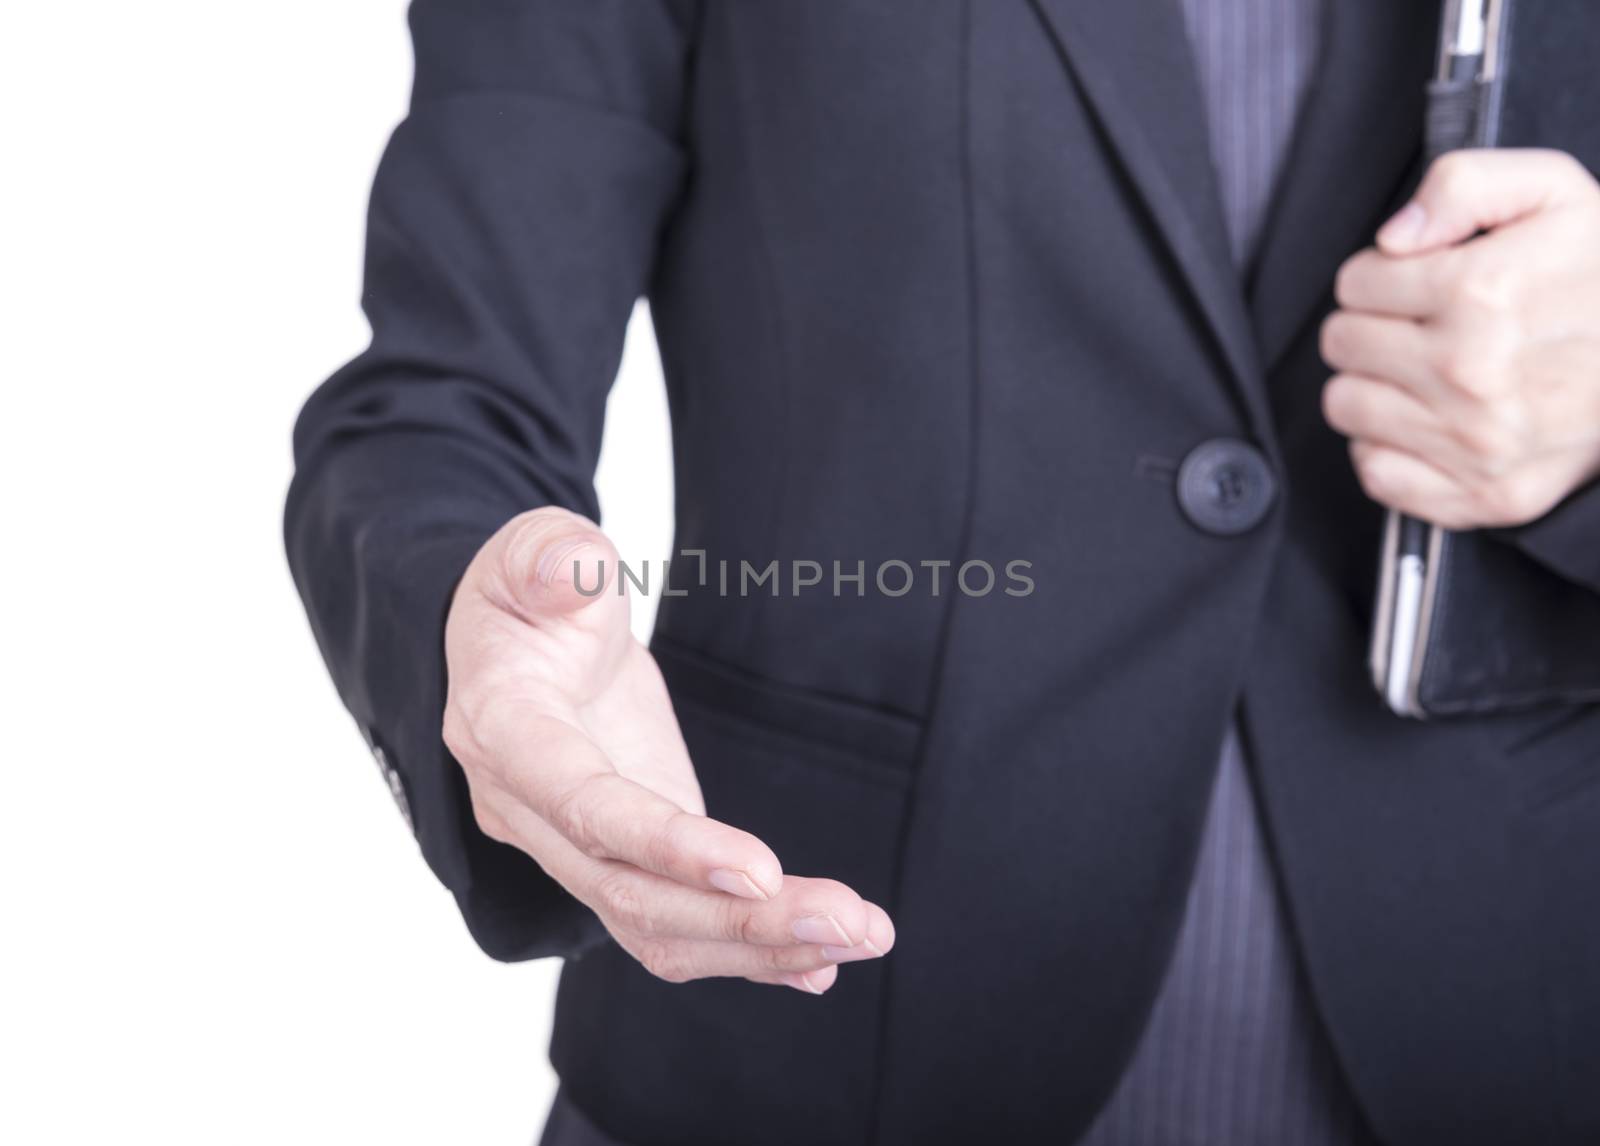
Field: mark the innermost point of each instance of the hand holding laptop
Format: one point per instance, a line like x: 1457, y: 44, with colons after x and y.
x: 1467, y: 355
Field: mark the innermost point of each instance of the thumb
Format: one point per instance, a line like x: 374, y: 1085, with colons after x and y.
x: 1466, y: 192
x: 553, y: 562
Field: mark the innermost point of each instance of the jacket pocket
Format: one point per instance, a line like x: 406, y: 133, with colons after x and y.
x: 825, y: 783
x: 875, y: 743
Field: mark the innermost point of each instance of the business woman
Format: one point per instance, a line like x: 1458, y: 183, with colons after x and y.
x: 1148, y: 309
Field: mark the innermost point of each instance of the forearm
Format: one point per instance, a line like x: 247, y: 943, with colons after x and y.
x: 514, y: 222
x: 377, y: 545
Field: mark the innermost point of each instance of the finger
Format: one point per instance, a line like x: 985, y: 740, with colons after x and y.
x: 1375, y: 283
x: 1369, y: 410
x: 1470, y: 191
x: 811, y: 982
x: 687, y: 960
x: 626, y: 898
x: 625, y: 905
x: 1410, y: 485
x: 562, y: 777
x: 553, y: 563
x: 1396, y: 350
x: 806, y: 911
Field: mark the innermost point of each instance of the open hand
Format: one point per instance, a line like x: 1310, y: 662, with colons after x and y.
x: 562, y: 723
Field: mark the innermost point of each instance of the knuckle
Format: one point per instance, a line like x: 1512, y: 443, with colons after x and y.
x: 572, y: 813
x: 736, y: 922
x: 1487, y: 291
x: 617, y: 898
x: 1511, y: 499
x: 667, y: 962
x: 1468, y: 367
x: 781, y: 959
x: 746, y: 928
x: 667, y: 850
x: 1493, y: 433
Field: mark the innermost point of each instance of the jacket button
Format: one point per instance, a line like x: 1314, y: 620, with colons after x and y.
x: 396, y: 786
x: 1226, y: 487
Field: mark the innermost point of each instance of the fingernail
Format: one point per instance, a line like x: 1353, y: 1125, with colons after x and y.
x: 736, y: 883
x: 865, y: 950
x: 821, y: 929
x: 1406, y: 226
x: 554, y: 559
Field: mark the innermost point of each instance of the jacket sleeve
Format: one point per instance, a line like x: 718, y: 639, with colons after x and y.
x: 1567, y: 539
x: 513, y: 224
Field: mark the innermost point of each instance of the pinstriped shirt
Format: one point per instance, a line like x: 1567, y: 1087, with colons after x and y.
x: 1233, y: 1054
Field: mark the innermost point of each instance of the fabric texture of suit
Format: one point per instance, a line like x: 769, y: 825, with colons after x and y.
x: 947, y: 280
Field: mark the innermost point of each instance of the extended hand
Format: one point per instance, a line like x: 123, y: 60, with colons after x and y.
x: 560, y: 720
x: 1469, y: 371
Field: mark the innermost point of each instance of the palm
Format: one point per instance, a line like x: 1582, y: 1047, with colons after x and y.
x: 588, y: 670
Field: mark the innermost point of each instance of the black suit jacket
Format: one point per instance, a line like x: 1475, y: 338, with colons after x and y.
x: 946, y: 279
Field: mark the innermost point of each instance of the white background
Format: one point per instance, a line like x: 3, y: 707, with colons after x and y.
x: 214, y: 926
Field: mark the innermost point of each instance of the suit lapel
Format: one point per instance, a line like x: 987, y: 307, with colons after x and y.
x: 1357, y: 141
x: 1134, y: 63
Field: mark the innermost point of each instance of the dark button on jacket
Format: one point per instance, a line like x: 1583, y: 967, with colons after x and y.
x: 1226, y: 487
